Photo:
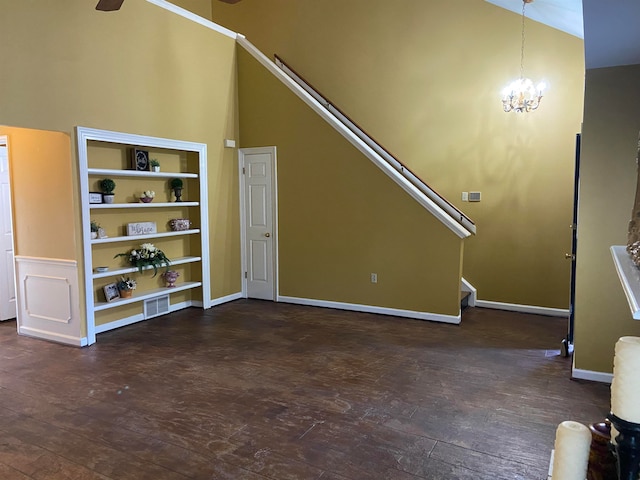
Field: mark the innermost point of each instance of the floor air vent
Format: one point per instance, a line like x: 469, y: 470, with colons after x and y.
x: 156, y: 306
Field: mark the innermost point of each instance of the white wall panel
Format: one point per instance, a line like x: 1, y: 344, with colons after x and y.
x: 48, y: 300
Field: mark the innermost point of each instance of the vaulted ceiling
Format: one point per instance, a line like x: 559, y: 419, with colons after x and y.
x: 609, y: 28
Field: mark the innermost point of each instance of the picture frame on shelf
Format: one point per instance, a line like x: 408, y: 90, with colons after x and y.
x: 95, y: 197
x: 140, y: 160
x: 111, y: 292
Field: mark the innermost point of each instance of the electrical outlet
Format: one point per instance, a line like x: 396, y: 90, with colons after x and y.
x: 374, y: 278
x: 465, y: 196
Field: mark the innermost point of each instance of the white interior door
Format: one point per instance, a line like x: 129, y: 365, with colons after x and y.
x: 7, y: 269
x: 260, y: 250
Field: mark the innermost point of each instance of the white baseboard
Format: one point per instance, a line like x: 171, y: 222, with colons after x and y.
x: 601, y: 377
x: 123, y: 322
x: 433, y: 317
x: 225, y: 299
x: 514, y: 307
x: 51, y: 336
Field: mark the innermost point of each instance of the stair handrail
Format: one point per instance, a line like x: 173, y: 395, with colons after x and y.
x: 391, y: 159
x: 443, y: 216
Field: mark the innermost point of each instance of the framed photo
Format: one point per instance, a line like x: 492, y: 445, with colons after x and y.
x: 111, y: 292
x: 95, y: 197
x: 140, y: 160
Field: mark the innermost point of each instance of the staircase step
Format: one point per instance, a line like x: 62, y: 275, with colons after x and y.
x: 464, y: 299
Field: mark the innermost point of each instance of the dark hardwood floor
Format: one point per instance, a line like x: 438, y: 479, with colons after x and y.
x: 255, y: 390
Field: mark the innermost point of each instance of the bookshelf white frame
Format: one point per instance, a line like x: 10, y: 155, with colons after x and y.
x: 83, y: 137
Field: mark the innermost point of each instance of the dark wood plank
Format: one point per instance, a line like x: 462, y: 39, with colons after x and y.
x: 257, y: 390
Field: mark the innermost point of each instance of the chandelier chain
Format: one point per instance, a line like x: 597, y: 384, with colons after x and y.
x: 524, y: 4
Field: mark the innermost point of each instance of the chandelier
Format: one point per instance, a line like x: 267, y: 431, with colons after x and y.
x: 521, y: 95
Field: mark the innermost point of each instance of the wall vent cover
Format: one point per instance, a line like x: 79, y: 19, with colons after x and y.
x: 475, y: 196
x: 154, y: 307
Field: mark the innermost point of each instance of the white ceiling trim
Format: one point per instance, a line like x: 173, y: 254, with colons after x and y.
x: 564, y: 15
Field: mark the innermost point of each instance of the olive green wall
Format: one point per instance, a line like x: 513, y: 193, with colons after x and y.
x: 140, y: 70
x: 424, y: 78
x: 607, y: 189
x: 340, y: 217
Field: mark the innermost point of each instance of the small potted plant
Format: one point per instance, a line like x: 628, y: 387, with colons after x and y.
x: 126, y: 286
x: 147, y: 196
x: 107, y: 186
x: 176, y: 185
x: 95, y: 226
x: 155, y: 165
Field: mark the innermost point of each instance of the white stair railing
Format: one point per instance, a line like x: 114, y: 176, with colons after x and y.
x: 456, y: 214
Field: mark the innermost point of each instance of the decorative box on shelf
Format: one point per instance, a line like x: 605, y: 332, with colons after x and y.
x: 179, y: 224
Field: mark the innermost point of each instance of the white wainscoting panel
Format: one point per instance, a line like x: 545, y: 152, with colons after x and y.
x: 49, y: 299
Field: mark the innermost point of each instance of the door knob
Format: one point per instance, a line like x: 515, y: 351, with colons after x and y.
x: 569, y: 256
x: 267, y: 234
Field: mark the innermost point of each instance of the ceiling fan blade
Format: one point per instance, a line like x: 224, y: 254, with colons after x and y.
x: 109, y: 5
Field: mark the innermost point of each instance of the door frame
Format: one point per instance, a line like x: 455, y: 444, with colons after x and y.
x: 243, y: 217
x: 567, y: 344
x: 4, y: 140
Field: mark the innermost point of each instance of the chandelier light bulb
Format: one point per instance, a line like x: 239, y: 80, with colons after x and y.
x: 522, y: 96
